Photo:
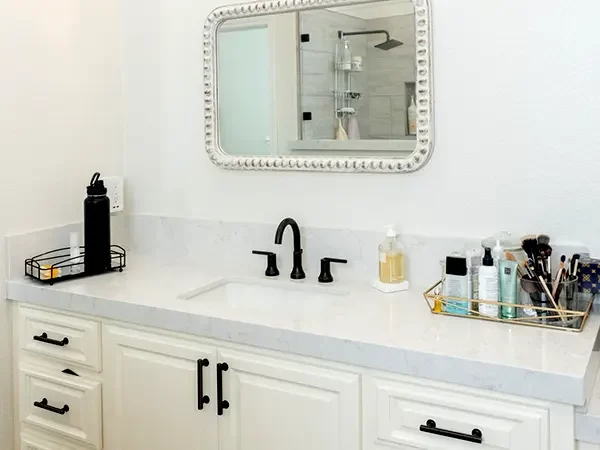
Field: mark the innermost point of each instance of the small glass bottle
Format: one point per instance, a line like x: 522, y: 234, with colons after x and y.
x: 391, y: 259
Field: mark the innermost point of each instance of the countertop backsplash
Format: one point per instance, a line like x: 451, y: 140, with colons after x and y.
x: 227, y: 247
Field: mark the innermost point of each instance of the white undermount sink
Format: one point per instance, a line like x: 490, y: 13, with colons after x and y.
x: 256, y: 293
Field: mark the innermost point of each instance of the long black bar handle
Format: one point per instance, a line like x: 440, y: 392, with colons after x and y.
x: 44, y: 338
x: 44, y: 405
x: 221, y: 404
x: 202, y: 399
x: 476, y: 436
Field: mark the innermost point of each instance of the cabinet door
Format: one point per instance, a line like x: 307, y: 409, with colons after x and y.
x: 276, y: 404
x: 152, y: 392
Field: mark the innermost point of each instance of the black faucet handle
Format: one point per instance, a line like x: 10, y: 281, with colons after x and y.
x: 325, y: 276
x: 272, y: 270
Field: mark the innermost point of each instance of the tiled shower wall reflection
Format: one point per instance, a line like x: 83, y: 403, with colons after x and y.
x: 389, y: 71
x: 317, y: 58
x: 381, y: 112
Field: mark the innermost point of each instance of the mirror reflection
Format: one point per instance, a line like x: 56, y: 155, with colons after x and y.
x: 337, y: 81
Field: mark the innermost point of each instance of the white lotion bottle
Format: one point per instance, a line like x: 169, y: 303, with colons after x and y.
x: 488, y: 286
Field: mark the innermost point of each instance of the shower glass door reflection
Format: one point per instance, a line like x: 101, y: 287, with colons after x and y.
x: 245, y: 103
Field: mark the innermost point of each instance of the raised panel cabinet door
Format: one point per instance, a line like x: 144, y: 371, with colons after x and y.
x: 153, y: 392
x: 276, y: 404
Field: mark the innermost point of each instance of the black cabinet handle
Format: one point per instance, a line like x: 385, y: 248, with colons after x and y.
x: 44, y: 338
x: 475, y: 436
x: 221, y: 404
x: 202, y: 399
x: 44, y: 405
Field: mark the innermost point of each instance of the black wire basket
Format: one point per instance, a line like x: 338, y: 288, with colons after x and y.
x: 58, y: 265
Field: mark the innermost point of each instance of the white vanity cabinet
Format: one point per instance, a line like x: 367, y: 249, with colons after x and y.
x: 138, y: 388
x: 155, y: 384
x: 154, y: 389
x: 277, y: 403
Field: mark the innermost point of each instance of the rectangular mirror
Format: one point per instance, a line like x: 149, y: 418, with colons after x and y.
x: 330, y: 86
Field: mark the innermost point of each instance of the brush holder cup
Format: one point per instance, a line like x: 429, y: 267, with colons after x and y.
x: 541, y: 295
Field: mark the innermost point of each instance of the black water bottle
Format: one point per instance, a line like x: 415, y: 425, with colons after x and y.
x: 96, y: 212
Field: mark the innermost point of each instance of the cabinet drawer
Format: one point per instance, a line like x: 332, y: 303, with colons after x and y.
x: 395, y: 410
x: 64, y: 337
x: 67, y: 405
x: 46, y: 442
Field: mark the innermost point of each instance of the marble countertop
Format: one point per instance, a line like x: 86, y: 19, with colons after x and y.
x: 394, y: 332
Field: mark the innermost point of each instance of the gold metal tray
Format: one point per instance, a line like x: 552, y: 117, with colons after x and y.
x: 559, y: 319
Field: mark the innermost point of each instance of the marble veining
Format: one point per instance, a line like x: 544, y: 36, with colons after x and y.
x: 393, y: 332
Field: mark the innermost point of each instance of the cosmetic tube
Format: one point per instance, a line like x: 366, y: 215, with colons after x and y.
x: 508, y: 287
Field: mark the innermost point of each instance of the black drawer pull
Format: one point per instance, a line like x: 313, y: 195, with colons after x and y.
x: 44, y: 405
x: 475, y: 436
x: 202, y: 399
x: 44, y: 338
x: 221, y: 404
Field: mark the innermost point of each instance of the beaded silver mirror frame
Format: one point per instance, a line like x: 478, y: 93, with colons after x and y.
x: 424, y: 97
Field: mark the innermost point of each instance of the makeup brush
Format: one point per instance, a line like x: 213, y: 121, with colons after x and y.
x: 548, y: 257
x: 545, y: 251
x: 549, y: 294
x: 559, y: 275
x: 575, y: 263
x: 529, y: 245
x: 543, y: 239
x: 541, y: 267
x: 527, y: 265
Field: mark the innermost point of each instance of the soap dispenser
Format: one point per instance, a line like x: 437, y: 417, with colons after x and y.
x: 391, y: 259
x: 391, y: 264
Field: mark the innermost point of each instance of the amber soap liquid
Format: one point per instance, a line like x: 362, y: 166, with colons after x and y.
x: 391, y: 267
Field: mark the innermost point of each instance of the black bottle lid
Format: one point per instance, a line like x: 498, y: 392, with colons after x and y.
x: 487, y: 258
x: 96, y: 186
x: 456, y: 265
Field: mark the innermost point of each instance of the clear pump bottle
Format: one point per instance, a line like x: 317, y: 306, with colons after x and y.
x: 391, y: 259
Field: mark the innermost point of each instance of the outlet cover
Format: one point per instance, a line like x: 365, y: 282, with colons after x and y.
x: 115, y: 192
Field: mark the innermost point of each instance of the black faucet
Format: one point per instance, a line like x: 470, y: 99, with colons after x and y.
x: 297, y: 272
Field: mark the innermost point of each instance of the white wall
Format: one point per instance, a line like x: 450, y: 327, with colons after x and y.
x: 60, y: 120
x: 517, y: 110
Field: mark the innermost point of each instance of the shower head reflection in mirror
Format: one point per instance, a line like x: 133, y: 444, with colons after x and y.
x: 290, y: 81
x: 387, y: 45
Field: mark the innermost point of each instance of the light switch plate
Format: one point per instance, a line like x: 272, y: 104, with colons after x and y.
x: 115, y: 192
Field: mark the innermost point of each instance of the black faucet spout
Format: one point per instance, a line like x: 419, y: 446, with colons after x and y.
x: 297, y: 271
